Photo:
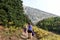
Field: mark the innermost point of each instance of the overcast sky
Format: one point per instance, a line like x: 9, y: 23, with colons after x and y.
x: 51, y: 6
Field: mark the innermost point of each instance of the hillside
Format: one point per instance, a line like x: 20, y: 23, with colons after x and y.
x: 17, y: 34
x: 12, y: 20
x: 41, y: 34
x: 45, y: 35
x: 51, y: 24
x: 11, y: 13
x: 36, y: 15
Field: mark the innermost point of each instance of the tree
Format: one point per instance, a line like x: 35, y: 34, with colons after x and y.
x: 50, y: 24
x: 12, y: 11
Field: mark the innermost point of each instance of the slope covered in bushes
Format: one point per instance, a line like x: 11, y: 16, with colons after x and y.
x: 11, y: 13
x: 50, y: 24
x: 45, y: 35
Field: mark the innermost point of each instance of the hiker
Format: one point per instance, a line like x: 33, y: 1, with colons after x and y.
x: 25, y: 28
x: 29, y: 31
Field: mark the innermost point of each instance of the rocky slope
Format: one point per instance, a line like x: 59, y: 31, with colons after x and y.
x: 35, y: 15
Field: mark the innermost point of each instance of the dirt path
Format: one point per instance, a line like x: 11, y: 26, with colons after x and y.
x: 24, y: 36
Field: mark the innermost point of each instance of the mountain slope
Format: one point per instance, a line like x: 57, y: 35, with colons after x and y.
x: 11, y: 13
x: 15, y: 34
x: 36, y: 15
x: 45, y: 35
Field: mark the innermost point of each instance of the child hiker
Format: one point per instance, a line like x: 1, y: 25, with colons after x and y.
x: 25, y: 28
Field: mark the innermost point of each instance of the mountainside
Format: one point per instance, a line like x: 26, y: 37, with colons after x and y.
x: 13, y: 33
x: 36, y: 15
x: 50, y: 24
x: 45, y: 35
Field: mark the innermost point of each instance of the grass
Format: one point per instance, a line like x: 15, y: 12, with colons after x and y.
x: 45, y: 35
x: 11, y: 33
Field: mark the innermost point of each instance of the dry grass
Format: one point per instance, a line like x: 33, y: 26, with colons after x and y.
x: 11, y: 33
x: 45, y: 35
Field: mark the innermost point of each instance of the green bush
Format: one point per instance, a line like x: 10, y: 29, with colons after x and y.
x: 50, y: 24
x: 12, y: 11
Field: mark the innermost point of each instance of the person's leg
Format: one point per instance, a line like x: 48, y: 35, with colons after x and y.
x: 30, y: 35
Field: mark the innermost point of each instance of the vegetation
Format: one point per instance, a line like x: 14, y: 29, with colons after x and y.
x: 45, y: 35
x: 11, y: 33
x: 12, y: 16
x: 11, y: 13
x: 15, y: 33
x: 50, y: 24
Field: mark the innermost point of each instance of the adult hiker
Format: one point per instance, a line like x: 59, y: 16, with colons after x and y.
x: 29, y: 31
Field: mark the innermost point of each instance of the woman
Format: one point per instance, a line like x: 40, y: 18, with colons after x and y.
x: 29, y: 31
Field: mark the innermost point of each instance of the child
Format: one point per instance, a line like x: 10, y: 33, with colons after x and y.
x: 25, y: 28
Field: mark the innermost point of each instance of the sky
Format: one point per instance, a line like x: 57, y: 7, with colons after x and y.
x: 51, y: 6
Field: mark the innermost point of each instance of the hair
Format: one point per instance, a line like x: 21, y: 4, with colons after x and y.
x: 29, y: 23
